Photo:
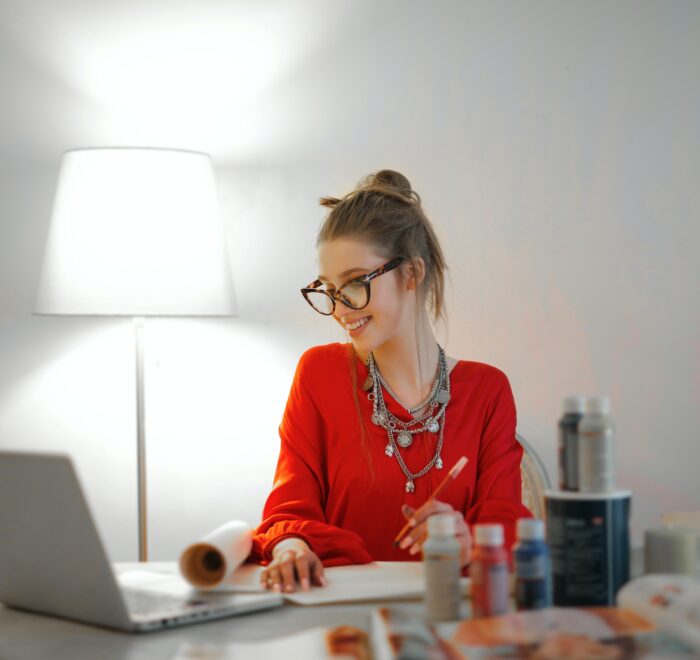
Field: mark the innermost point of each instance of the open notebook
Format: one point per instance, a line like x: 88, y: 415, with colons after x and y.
x: 366, y: 582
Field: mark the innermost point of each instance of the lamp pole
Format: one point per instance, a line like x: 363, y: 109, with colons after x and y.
x: 141, y: 440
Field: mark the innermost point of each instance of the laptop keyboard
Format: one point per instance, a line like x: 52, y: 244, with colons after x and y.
x: 147, y: 602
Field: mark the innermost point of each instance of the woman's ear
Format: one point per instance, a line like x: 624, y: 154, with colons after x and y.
x: 415, y: 273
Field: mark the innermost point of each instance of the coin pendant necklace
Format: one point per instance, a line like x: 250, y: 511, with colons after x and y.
x: 400, y: 434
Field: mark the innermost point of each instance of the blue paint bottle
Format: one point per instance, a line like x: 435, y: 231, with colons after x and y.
x: 533, y: 575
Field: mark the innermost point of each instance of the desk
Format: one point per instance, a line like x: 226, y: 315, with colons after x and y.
x: 26, y: 636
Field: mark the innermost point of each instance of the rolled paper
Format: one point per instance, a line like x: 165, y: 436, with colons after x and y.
x: 210, y: 562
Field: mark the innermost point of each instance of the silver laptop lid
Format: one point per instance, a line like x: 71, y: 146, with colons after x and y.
x: 51, y: 556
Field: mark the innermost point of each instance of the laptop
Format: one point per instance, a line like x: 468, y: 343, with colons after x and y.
x: 52, y: 560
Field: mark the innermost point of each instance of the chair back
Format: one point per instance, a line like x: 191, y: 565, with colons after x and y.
x: 534, y: 477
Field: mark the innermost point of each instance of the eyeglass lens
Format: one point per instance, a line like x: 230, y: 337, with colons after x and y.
x: 354, y: 294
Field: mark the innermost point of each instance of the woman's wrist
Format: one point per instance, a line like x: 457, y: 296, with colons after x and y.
x: 289, y: 543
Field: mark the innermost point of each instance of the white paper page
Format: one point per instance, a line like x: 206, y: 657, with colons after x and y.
x: 363, y: 582
x: 379, y: 580
x: 345, y: 583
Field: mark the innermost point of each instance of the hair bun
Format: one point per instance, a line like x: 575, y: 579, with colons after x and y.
x: 391, y: 184
x: 391, y: 179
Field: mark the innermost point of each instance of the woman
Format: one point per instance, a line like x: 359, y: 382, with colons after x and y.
x: 372, y: 426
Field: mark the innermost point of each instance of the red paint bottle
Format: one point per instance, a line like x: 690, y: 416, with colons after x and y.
x: 489, y: 572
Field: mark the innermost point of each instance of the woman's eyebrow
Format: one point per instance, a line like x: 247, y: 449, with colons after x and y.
x: 344, y: 274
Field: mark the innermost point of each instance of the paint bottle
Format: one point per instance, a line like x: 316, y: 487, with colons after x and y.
x: 489, y: 572
x: 574, y: 407
x: 533, y: 577
x: 596, y: 456
x: 442, y: 558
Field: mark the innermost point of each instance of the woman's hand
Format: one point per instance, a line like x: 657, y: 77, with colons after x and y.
x: 292, y: 561
x: 417, y: 535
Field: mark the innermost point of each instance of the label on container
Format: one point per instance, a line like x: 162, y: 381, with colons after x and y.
x: 489, y: 588
x: 589, y: 542
x: 496, y: 589
x: 532, y: 583
x: 531, y: 568
x: 442, y: 596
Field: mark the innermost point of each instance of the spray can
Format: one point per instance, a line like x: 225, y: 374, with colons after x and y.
x: 596, y: 457
x: 574, y: 407
x: 489, y: 572
x: 533, y: 578
x: 441, y: 554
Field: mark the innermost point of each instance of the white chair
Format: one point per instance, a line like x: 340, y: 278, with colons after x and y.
x: 535, y: 479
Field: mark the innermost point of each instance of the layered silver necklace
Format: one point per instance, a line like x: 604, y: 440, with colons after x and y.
x: 401, y: 433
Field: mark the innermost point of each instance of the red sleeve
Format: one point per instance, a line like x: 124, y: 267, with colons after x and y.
x: 498, y: 495
x: 295, y: 507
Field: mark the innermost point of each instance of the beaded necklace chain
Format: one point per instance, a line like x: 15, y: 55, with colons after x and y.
x: 401, y: 433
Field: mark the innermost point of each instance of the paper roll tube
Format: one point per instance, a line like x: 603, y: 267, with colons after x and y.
x: 211, y: 561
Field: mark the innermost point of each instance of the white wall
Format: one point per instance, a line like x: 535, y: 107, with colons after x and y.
x: 555, y: 145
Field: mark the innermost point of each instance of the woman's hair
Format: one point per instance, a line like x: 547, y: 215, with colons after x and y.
x: 386, y: 213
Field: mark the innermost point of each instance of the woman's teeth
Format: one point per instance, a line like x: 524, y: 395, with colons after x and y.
x: 357, y: 324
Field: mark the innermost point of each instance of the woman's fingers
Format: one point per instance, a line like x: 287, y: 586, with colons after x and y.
x: 317, y: 573
x: 270, y: 578
x: 431, y: 507
x: 302, y: 568
x: 461, y: 527
x: 417, y: 543
x: 414, y: 540
x: 287, y: 570
x: 291, y: 566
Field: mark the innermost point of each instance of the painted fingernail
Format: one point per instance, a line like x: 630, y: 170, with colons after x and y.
x: 289, y: 587
x: 414, y: 549
x: 276, y: 587
x: 405, y: 542
x: 412, y: 522
x: 305, y: 584
x: 323, y: 581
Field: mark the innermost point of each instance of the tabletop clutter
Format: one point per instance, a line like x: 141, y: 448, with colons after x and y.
x: 569, y: 570
x: 578, y: 556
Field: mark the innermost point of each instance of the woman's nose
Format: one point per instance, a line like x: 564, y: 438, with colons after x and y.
x: 341, y: 310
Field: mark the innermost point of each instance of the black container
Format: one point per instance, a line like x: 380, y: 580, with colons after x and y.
x: 589, y: 539
x: 574, y: 407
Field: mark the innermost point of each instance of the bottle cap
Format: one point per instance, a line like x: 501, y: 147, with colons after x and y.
x: 598, y: 405
x: 489, y: 534
x: 575, y: 404
x: 530, y: 529
x: 441, y: 524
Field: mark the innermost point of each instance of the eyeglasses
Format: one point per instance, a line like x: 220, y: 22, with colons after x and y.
x: 354, y: 294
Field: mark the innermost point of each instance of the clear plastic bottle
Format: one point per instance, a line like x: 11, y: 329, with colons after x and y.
x: 533, y: 576
x: 574, y: 407
x: 489, y: 572
x: 441, y: 555
x: 596, y: 450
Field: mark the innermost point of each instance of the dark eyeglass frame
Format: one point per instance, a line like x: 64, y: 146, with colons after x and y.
x: 338, y: 296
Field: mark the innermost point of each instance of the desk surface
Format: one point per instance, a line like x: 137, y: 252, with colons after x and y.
x: 27, y: 636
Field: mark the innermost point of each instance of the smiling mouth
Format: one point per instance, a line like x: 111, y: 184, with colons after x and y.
x: 358, y: 324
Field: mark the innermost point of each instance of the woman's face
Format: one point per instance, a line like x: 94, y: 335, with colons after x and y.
x: 387, y: 313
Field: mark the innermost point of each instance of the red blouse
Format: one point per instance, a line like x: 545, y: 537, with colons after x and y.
x: 324, y: 490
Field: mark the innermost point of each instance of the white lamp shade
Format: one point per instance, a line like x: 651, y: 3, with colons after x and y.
x: 136, y: 232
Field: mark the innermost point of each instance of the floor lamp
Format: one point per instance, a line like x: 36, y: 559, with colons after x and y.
x: 136, y: 232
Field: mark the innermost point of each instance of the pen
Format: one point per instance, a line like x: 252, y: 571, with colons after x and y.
x: 452, y: 474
